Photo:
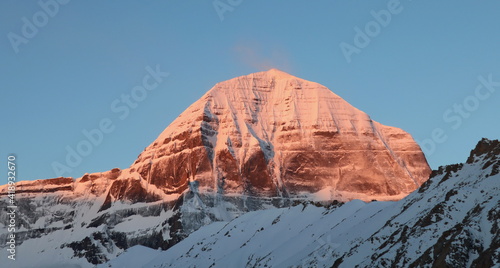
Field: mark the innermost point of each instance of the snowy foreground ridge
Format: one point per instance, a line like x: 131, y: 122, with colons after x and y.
x: 451, y: 221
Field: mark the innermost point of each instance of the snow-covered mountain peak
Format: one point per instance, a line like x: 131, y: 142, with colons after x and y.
x: 272, y: 101
x: 273, y: 134
x: 259, y: 141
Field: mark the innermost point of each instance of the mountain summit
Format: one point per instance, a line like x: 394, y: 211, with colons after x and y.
x: 273, y: 134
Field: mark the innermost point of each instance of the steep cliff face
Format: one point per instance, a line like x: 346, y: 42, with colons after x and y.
x: 273, y: 134
x: 453, y: 220
x: 254, y: 142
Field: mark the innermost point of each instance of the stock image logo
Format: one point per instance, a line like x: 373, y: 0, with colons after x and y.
x: 31, y: 26
x: 121, y: 107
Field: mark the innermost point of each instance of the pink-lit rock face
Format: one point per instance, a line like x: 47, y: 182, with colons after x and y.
x: 273, y: 134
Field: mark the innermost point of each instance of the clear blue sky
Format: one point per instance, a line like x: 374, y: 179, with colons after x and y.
x: 64, y: 78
